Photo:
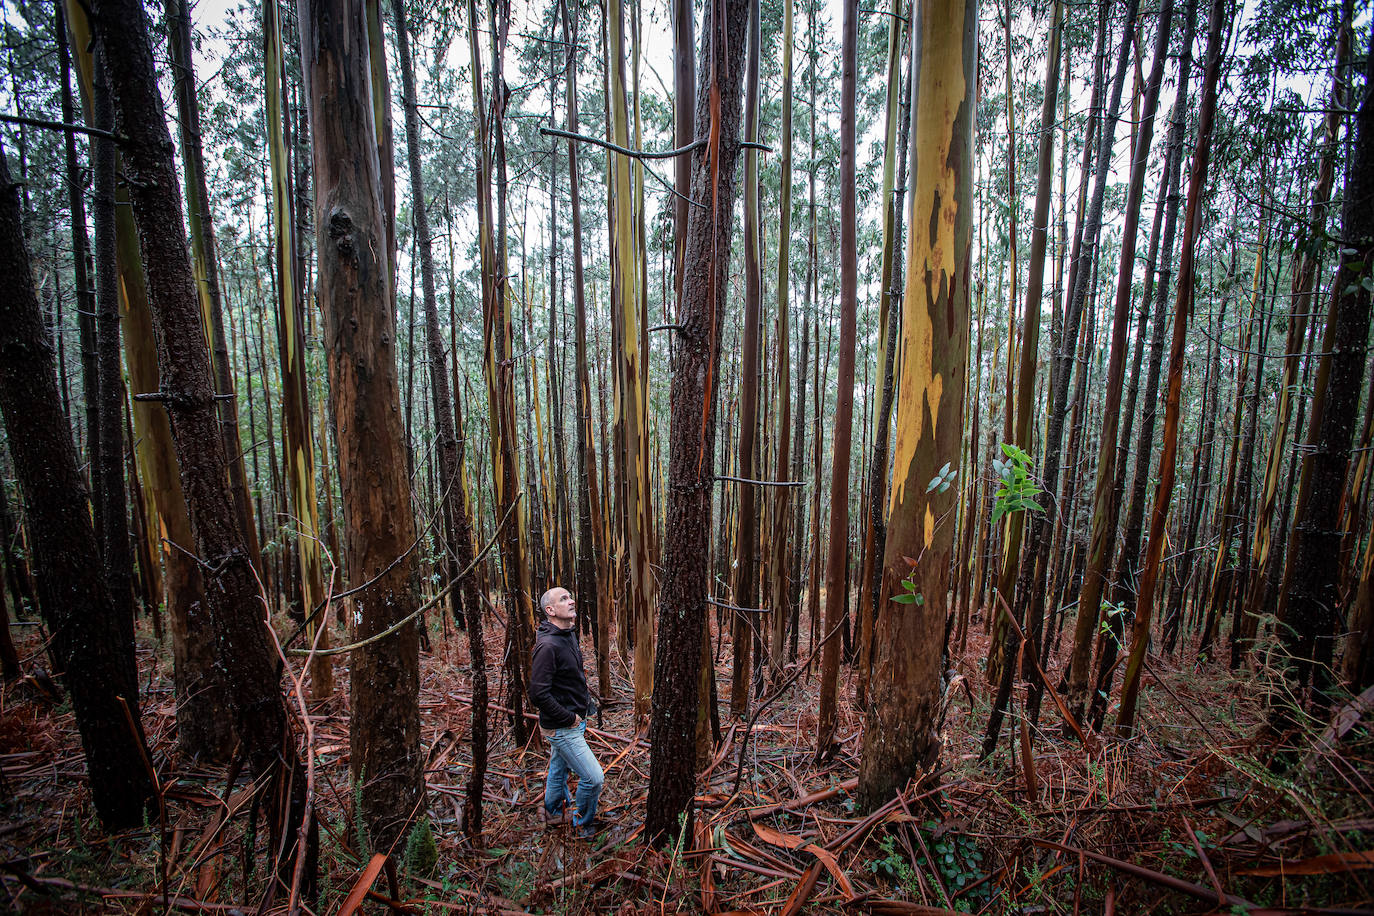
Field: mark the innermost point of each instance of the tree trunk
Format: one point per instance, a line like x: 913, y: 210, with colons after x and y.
x: 900, y: 735
x: 889, y: 314
x: 201, y: 219
x: 91, y: 644
x: 1104, y: 509
x: 1128, y: 567
x: 672, y: 728
x: 744, y: 592
x: 354, y: 291
x: 450, y: 446
x: 785, y: 468
x: 291, y: 347
x: 1106, y: 498
x: 1257, y: 597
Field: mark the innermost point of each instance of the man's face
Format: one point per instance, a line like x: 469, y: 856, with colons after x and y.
x: 562, y: 609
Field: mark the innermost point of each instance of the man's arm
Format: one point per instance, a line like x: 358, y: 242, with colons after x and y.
x: 541, y: 688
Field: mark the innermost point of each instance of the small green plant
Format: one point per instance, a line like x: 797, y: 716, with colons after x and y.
x: 894, y: 867
x: 359, y: 825
x: 422, y: 853
x: 1018, y: 491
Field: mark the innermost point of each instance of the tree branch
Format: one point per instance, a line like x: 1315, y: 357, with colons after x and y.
x: 61, y: 126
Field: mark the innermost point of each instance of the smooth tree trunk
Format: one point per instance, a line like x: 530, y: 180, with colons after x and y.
x: 1105, y: 509
x: 291, y: 351
x: 90, y: 642
x: 1106, y: 497
x: 631, y: 375
x: 1160, y: 270
x: 593, y: 577
x: 682, y: 615
x: 779, y: 566
x: 889, y: 314
x: 354, y: 290
x: 745, y: 590
x: 901, y: 718
x: 1258, y: 592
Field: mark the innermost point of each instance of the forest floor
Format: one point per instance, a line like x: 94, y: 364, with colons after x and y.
x: 1185, y: 817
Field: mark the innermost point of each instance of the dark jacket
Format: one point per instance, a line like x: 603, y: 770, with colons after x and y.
x: 558, y: 688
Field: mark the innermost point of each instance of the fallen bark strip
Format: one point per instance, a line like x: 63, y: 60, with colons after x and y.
x: 798, y: 897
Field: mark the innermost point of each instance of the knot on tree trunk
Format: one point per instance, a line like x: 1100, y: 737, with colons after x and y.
x: 341, y: 234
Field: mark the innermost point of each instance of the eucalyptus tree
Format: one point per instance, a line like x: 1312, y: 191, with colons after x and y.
x: 457, y: 529
x: 1313, y: 620
x: 900, y: 734
x: 696, y: 361
x: 354, y: 290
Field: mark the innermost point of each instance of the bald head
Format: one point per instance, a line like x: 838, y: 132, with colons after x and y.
x: 558, y: 607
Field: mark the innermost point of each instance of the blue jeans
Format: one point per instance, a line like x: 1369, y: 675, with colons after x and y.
x: 568, y: 751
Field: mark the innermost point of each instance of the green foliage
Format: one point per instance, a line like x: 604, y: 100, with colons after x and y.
x: 359, y: 825
x: 1018, y: 491
x: 422, y: 852
x: 957, y: 860
x: 943, y: 479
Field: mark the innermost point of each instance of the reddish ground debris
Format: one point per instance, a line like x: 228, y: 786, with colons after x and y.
x: 1184, y: 817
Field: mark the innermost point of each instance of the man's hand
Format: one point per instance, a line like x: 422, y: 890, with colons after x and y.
x: 577, y: 720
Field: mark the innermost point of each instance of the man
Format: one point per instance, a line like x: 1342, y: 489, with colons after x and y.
x: 558, y: 689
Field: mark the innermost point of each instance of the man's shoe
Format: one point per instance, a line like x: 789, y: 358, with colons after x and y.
x: 556, y: 819
x: 590, y: 829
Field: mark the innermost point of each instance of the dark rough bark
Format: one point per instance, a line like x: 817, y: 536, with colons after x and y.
x: 685, y: 587
x: 91, y: 644
x: 203, y: 249
x: 202, y: 728
x: 81, y: 268
x: 1313, y: 620
x: 354, y: 290
x: 901, y: 719
x: 231, y: 592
